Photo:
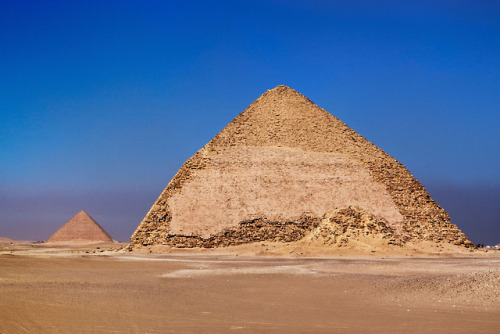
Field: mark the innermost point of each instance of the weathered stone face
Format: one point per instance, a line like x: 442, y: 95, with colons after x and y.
x: 280, y: 183
x: 280, y: 158
x: 80, y: 228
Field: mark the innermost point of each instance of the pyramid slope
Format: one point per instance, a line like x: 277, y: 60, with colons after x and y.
x: 288, y: 157
x: 80, y: 228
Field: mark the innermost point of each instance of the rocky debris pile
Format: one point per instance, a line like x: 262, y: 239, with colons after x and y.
x: 340, y: 226
x: 255, y: 230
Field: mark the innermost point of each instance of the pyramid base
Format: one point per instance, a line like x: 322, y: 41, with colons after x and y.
x: 300, y: 250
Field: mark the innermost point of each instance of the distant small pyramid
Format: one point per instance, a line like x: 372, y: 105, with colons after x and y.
x: 5, y: 240
x: 80, y: 228
x: 276, y: 170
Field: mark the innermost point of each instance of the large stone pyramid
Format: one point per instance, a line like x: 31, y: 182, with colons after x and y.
x: 80, y: 228
x: 276, y: 170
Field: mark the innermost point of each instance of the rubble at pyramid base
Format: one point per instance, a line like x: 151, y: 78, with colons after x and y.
x: 340, y: 226
x: 336, y: 228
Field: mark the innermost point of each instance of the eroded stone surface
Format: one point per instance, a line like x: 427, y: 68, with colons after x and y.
x: 280, y: 183
x: 283, y: 118
x: 342, y: 226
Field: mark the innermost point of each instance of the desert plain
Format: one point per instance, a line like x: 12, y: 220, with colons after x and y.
x: 264, y: 287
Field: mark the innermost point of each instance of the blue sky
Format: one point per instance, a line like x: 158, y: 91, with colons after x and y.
x: 102, y: 101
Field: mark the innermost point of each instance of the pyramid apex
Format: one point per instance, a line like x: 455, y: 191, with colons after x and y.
x: 283, y: 92
x: 282, y: 89
x: 82, y: 212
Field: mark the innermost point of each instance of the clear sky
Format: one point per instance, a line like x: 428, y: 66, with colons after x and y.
x: 102, y: 101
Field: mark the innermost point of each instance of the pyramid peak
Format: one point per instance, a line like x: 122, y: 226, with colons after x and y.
x: 282, y: 93
x: 83, y: 213
x: 283, y: 90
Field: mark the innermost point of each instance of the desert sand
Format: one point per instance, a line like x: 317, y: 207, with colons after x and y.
x: 262, y: 287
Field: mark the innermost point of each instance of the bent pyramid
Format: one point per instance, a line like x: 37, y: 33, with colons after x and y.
x: 80, y: 228
x: 275, y: 171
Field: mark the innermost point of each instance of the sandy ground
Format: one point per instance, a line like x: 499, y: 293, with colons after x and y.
x: 85, y: 289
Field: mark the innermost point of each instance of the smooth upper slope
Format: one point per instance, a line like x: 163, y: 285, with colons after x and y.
x: 245, y: 183
x: 81, y: 228
x: 280, y: 159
